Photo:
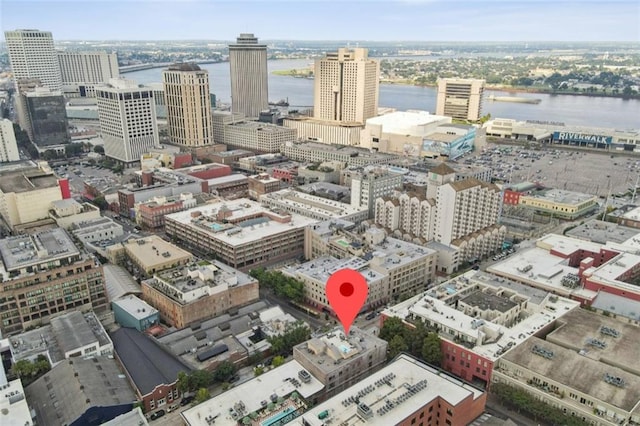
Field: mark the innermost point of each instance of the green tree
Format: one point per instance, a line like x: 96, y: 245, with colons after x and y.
x: 396, y: 345
x: 183, y: 382
x: 258, y: 371
x: 278, y: 361
x: 99, y: 149
x: 432, y: 349
x: 283, y: 344
x: 202, y: 395
x: 224, y: 371
x: 392, y: 326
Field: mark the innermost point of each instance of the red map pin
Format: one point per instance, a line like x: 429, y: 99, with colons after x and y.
x: 346, y: 290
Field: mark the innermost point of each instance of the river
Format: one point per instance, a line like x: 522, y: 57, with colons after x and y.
x: 572, y: 110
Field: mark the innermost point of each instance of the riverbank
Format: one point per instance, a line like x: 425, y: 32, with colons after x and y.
x: 308, y: 74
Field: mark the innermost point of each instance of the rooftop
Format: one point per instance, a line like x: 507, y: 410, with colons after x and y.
x: 188, y: 283
x: 292, y: 200
x: 13, y: 405
x: 64, y: 334
x: 276, y: 385
x: 562, y: 196
x: 602, y: 232
x: 246, y: 221
x: 119, y: 282
x: 136, y: 307
x: 147, y: 363
x: 391, y: 395
x: 399, y: 121
x: 488, y: 301
x: 25, y: 180
x: 618, y: 305
x: 153, y: 250
x: 132, y: 418
x: 73, y: 386
x: 330, y: 349
x: 321, y: 268
x: 184, y: 66
x: 43, y: 248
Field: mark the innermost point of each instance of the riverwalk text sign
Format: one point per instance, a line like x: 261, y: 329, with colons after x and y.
x: 581, y: 138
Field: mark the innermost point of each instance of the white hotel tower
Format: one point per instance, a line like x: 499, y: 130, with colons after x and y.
x: 32, y: 55
x: 249, y: 77
x: 127, y: 115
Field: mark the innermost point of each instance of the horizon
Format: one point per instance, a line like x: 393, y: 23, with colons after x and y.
x: 437, y: 21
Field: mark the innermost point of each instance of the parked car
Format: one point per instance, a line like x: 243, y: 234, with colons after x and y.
x: 157, y: 414
x: 370, y: 316
x: 186, y: 400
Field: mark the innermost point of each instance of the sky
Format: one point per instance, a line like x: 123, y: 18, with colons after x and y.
x: 374, y: 20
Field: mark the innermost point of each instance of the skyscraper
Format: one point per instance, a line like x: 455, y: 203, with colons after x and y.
x: 127, y: 115
x: 346, y: 86
x: 8, y: 145
x: 86, y: 69
x: 186, y: 94
x: 249, y: 78
x: 32, y: 55
x: 460, y: 98
x: 47, y: 117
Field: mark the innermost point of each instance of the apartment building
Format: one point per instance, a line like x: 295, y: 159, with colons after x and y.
x: 8, y: 145
x: 241, y: 233
x: 249, y: 76
x: 45, y: 274
x: 369, y: 184
x: 312, y: 206
x: 410, y: 214
x: 339, y: 361
x: 186, y: 94
x: 150, y: 214
x: 346, y: 86
x: 198, y: 291
x: 32, y: 55
x: 460, y: 98
x: 128, y: 123
x: 261, y: 184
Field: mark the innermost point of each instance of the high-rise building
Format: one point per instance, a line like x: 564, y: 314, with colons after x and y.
x: 22, y: 86
x: 186, y: 94
x: 460, y: 98
x: 8, y: 146
x: 127, y: 117
x: 32, y: 55
x: 86, y: 69
x: 346, y: 86
x: 47, y: 117
x: 249, y: 77
x: 370, y: 184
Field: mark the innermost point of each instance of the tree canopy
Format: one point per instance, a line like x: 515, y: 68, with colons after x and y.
x: 281, y: 285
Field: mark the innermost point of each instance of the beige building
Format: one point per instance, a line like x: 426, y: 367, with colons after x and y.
x: 338, y: 360
x: 8, y: 145
x: 188, y: 103
x: 152, y: 254
x: 69, y: 212
x: 81, y: 71
x: 561, y: 203
x: 327, y: 132
x: 128, y: 123
x: 460, y: 98
x: 318, y: 152
x: 198, y: 291
x: 258, y: 137
x: 26, y: 195
x: 32, y: 55
x: 249, y: 76
x: 346, y: 85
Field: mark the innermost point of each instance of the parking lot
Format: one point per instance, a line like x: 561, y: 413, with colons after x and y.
x: 101, y: 178
x: 598, y: 173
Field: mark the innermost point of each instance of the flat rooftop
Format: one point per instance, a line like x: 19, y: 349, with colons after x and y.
x: 406, y: 382
x: 488, y: 301
x: 579, y: 372
x: 394, y: 253
x: 290, y: 199
x: 153, y: 250
x: 399, y: 121
x: 26, y: 180
x: 562, y: 196
x: 188, y: 283
x: 247, y: 221
x: 255, y: 395
x: 22, y: 251
x: 601, y: 232
x: 13, y: 404
x: 135, y: 307
x: 321, y: 268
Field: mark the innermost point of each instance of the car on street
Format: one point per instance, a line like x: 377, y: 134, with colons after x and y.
x: 157, y: 414
x: 187, y: 400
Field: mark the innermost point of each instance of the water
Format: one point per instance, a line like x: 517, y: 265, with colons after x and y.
x: 571, y: 110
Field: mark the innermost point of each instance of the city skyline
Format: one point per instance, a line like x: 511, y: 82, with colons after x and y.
x: 378, y: 20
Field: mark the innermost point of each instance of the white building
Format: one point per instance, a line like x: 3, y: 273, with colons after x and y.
x: 127, y: 120
x: 249, y: 76
x: 83, y: 70
x: 8, y: 146
x: 261, y: 137
x: 32, y: 55
x: 372, y: 183
x: 312, y: 206
x: 346, y: 86
x: 460, y: 98
x: 188, y: 103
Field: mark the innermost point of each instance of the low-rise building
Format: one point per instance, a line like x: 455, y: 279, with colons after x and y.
x: 95, y: 230
x: 329, y: 132
x: 13, y: 404
x: 561, y: 203
x: 80, y: 391
x: 326, y: 171
x: 150, y: 214
x: 414, y: 394
x: 314, y: 207
x: 68, y: 212
x: 241, y: 233
x: 479, y: 318
x: 314, y: 152
x: 198, y: 291
x: 135, y: 313
x: 338, y: 360
x: 45, y: 274
x: 585, y: 366
x: 230, y: 187
x: 230, y: 158
x: 67, y: 336
x: 262, y: 184
x: 151, y: 254
x: 260, y: 163
x: 258, y: 137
